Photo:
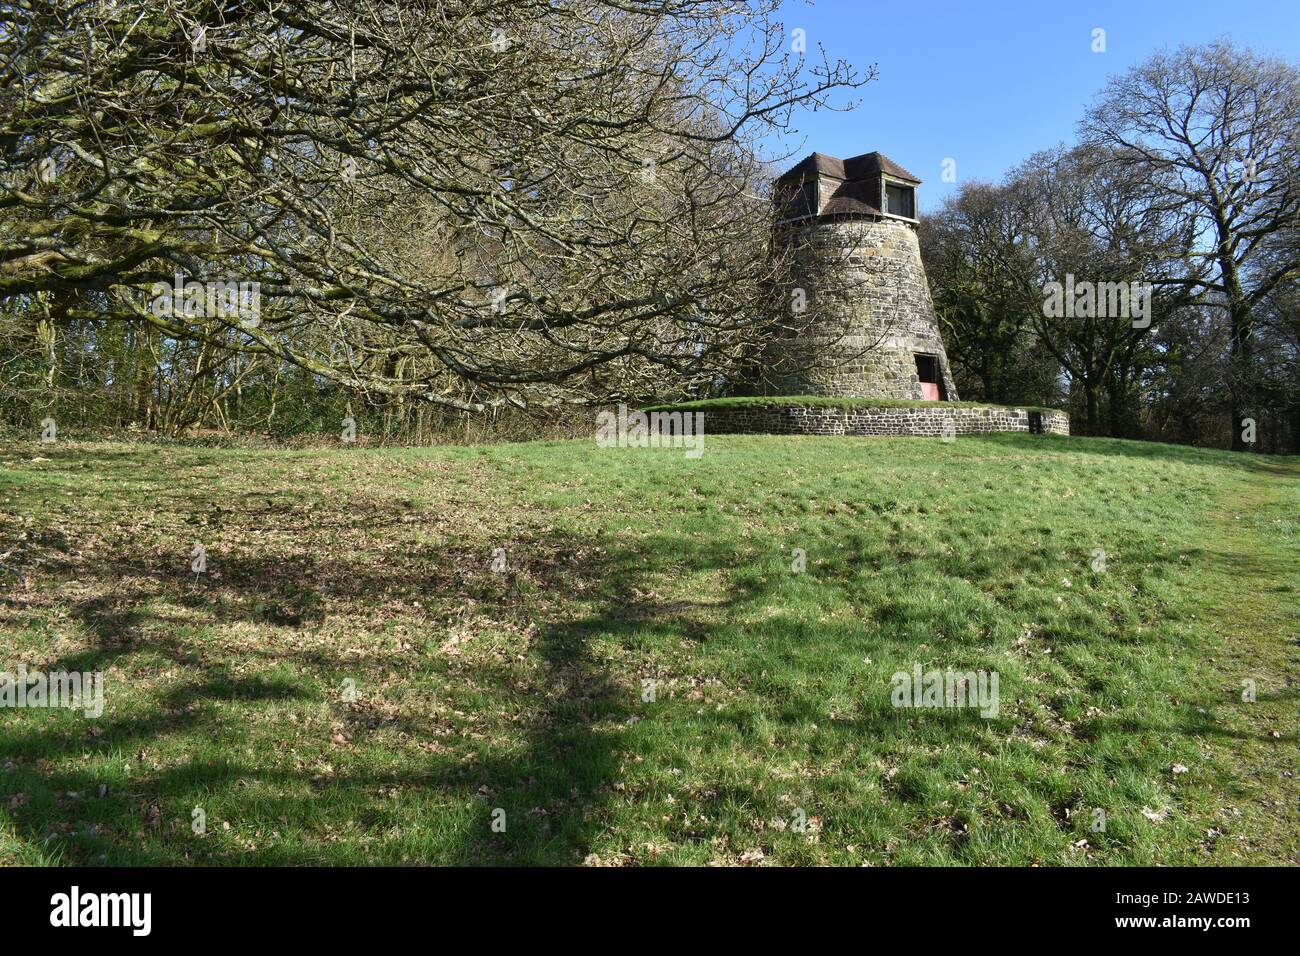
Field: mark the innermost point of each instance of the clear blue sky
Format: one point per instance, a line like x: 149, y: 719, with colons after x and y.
x: 987, y: 83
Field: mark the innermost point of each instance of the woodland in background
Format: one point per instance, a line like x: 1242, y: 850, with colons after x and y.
x: 479, y: 220
x: 1187, y: 176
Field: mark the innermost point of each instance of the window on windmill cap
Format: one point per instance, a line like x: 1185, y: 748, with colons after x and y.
x: 900, y: 200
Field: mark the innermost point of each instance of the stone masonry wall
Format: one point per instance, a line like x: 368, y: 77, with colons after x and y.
x: 869, y: 420
x: 868, y: 313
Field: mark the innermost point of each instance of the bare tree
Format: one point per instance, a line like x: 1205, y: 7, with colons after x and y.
x: 1105, y: 224
x: 1216, y: 129
x: 987, y: 290
x: 462, y: 201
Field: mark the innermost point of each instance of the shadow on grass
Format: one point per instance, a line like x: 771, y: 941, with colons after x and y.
x: 550, y: 773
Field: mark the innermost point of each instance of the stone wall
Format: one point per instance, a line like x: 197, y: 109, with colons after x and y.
x: 869, y: 313
x: 873, y: 420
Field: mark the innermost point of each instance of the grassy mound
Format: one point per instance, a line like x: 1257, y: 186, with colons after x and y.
x: 669, y: 660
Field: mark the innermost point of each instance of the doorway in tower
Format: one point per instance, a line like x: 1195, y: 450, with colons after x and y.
x: 927, y: 370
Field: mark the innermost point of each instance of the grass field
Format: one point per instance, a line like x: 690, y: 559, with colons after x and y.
x: 351, y: 681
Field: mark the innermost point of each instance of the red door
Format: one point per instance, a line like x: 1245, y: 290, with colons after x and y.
x: 930, y: 391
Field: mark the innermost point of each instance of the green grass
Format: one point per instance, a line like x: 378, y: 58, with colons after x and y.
x: 523, y: 690
x: 822, y: 401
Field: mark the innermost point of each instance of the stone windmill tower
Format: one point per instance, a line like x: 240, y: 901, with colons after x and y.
x: 867, y: 326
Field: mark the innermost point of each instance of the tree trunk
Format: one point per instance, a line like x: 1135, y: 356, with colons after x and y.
x: 1240, y: 377
x: 1241, y: 373
x: 1092, y: 407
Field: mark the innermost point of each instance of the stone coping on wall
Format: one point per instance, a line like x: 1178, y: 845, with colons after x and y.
x: 940, y: 419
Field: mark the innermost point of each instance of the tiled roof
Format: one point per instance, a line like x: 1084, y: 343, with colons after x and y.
x: 866, y: 166
x: 860, y: 196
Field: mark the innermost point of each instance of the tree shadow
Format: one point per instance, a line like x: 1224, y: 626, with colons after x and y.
x: 552, y: 775
x: 549, y: 776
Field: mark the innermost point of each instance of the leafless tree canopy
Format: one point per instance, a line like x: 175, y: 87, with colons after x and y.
x: 468, y: 202
x: 1186, y: 177
x: 1216, y: 130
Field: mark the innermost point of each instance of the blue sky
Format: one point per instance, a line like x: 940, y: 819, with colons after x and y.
x: 988, y: 83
